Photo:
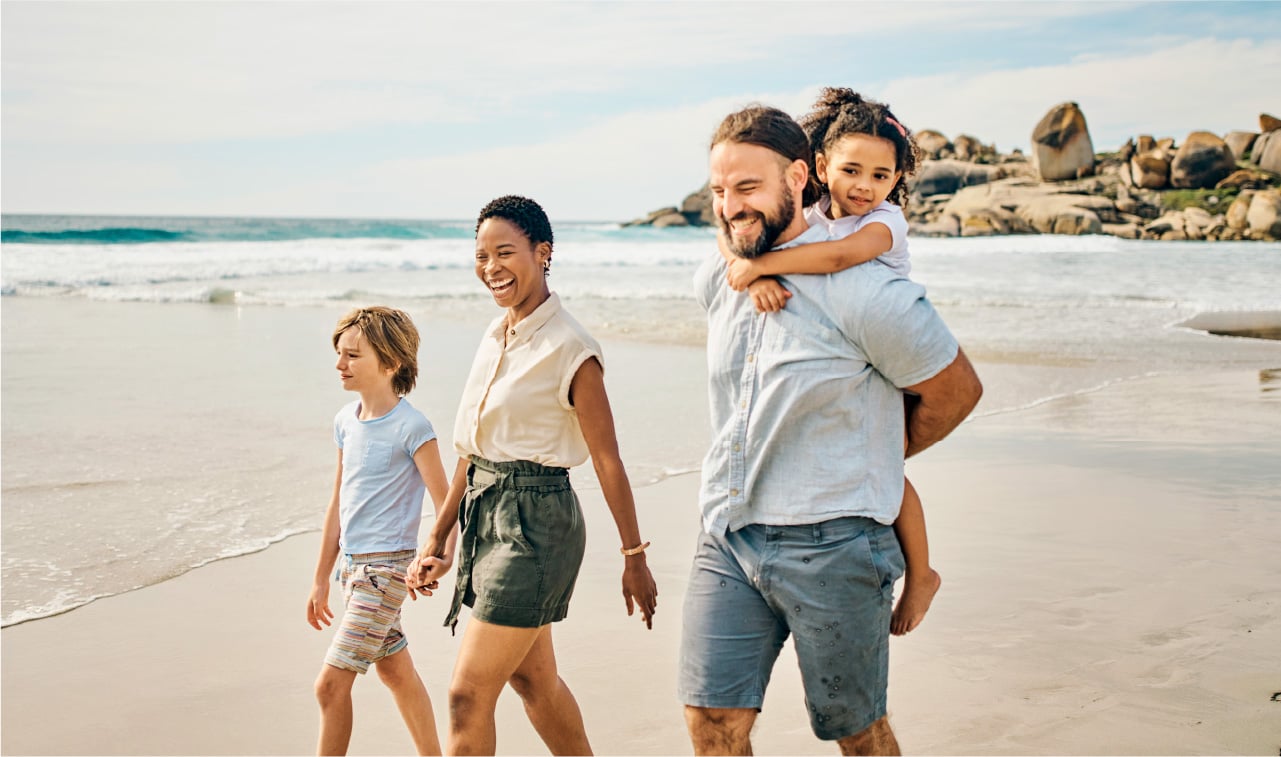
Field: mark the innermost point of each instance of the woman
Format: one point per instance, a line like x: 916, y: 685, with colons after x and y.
x: 534, y: 406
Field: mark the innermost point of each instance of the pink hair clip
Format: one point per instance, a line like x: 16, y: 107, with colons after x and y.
x: 901, y: 131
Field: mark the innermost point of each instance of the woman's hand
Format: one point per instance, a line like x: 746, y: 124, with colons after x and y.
x: 639, y: 589
x: 428, y: 567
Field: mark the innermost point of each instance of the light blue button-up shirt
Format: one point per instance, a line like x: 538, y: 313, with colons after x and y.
x: 807, y: 416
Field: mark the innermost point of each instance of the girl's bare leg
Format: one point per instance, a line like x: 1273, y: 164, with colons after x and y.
x: 921, y: 582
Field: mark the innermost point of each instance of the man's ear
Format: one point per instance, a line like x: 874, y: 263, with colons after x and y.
x: 798, y: 174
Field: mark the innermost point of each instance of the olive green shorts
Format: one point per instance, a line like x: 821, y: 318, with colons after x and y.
x: 522, y: 544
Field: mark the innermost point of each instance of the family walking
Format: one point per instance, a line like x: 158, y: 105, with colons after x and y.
x: 827, y: 365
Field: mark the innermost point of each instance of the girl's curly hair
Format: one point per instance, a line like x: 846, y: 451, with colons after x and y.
x: 839, y: 112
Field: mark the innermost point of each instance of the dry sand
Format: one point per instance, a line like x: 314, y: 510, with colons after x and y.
x: 1110, y: 587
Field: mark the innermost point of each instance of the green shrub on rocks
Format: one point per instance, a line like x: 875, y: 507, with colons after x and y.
x: 1214, y: 201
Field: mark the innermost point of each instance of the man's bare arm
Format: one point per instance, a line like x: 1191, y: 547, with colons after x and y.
x: 943, y: 402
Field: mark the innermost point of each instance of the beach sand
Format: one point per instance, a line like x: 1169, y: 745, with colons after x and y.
x: 1110, y: 587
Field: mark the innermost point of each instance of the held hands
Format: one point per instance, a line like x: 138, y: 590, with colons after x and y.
x: 426, y: 570
x: 639, y: 588
x: 768, y: 295
x: 318, y: 611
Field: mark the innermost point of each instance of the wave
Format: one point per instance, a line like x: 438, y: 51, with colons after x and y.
x: 66, y: 601
x: 118, y: 235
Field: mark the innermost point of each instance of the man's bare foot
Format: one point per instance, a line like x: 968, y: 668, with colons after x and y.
x: 912, y: 606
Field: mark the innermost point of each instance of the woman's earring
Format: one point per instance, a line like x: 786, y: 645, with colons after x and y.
x: 547, y: 268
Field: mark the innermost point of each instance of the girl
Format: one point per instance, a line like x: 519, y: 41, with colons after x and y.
x: 533, y: 407
x: 861, y: 158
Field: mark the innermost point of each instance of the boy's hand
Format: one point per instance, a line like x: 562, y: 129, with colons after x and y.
x: 318, y: 611
x: 768, y: 295
x: 740, y: 273
x: 416, y: 589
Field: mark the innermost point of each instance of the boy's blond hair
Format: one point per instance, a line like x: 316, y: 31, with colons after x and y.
x: 393, y: 338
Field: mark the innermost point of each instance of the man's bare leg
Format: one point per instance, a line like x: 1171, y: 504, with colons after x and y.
x: 877, y: 738
x: 714, y: 730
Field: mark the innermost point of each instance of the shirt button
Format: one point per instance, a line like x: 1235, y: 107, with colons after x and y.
x: 513, y: 332
x: 737, y: 447
x: 733, y: 492
x: 751, y: 358
x: 743, y: 404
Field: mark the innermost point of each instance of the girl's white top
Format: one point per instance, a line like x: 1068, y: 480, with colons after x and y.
x: 887, y: 213
x: 515, y: 405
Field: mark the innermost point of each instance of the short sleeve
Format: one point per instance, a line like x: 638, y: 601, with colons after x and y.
x: 900, y: 332
x: 338, y: 428
x: 892, y: 217
x: 576, y: 362
x: 417, y: 432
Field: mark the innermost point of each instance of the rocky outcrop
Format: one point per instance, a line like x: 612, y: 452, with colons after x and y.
x: 1240, y: 142
x: 1201, y: 161
x: 1269, y: 122
x: 1061, y: 146
x: 1149, y: 189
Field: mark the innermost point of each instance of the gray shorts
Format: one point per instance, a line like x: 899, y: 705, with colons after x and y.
x: 521, y: 545
x: 830, y: 585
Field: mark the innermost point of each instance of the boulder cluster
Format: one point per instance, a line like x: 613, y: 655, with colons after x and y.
x: 1206, y: 188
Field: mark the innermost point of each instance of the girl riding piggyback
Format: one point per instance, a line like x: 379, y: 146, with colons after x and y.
x: 862, y: 157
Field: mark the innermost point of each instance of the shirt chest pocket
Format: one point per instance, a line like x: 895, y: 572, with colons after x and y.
x: 369, y: 455
x: 801, y: 343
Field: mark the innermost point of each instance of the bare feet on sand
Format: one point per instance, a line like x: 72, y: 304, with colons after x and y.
x: 911, y: 607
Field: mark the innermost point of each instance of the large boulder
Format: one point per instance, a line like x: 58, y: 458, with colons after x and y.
x: 1060, y: 214
x: 1239, y: 210
x: 1239, y: 142
x: 943, y: 177
x: 1267, y: 151
x: 1264, y: 216
x: 1061, y: 145
x: 1268, y: 122
x: 697, y: 207
x: 1201, y: 162
x: 932, y: 143
x: 1151, y: 169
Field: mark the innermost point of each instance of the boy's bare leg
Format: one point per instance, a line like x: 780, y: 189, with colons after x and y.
x: 398, y: 673
x: 333, y: 692
x: 921, y: 582
x: 549, y: 703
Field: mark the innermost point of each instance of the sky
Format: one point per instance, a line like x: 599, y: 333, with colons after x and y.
x: 599, y: 110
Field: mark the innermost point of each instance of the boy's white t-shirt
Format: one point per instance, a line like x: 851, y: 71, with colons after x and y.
x: 887, y: 213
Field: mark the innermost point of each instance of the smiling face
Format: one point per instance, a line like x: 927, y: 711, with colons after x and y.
x: 859, y: 173
x: 358, y: 365
x: 511, y: 267
x: 754, y: 192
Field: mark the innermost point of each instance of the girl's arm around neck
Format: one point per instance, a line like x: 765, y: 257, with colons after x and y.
x: 587, y: 394
x: 868, y: 243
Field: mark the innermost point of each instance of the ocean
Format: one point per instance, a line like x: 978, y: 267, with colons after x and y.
x: 125, y: 459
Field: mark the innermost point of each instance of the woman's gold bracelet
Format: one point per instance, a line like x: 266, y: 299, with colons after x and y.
x: 634, y: 550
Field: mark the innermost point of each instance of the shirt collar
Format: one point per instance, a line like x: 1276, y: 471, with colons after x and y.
x: 527, y: 326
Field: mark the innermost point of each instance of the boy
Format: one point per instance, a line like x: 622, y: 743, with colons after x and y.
x: 387, y: 455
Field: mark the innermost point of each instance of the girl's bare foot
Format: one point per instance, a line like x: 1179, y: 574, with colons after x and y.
x: 912, y: 606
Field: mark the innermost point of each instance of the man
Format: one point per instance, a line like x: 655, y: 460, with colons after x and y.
x: 804, y: 476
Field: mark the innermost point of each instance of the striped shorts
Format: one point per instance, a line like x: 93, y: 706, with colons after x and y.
x: 374, y: 585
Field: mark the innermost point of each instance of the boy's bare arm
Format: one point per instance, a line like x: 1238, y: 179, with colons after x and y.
x: 318, y: 611
x: 943, y: 402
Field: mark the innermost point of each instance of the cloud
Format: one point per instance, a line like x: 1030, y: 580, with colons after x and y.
x: 1204, y: 84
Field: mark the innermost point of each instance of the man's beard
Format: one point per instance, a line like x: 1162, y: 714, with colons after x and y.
x: 771, y: 227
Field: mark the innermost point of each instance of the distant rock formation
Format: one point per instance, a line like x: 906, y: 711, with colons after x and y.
x: 1206, y: 188
x: 1061, y: 146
